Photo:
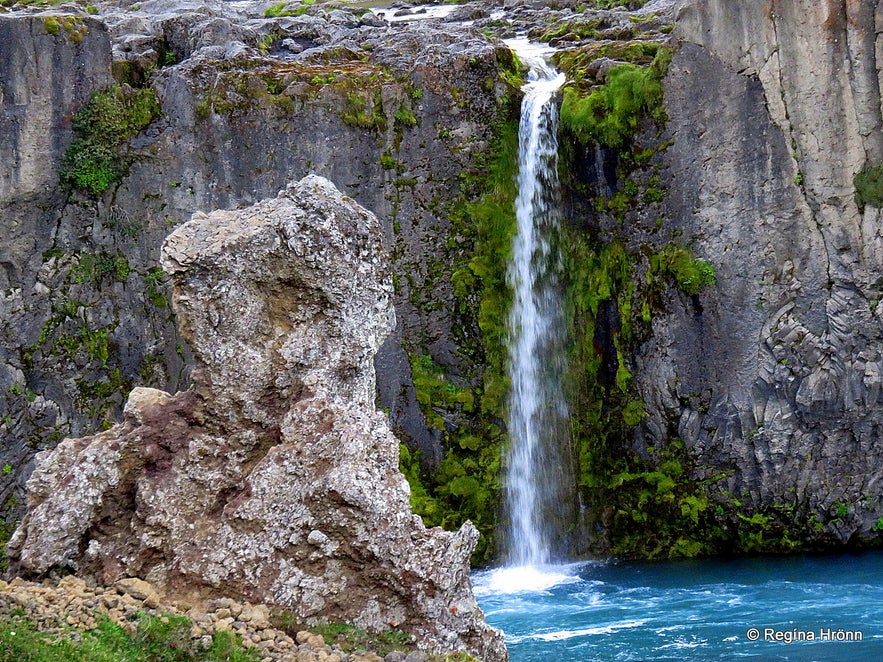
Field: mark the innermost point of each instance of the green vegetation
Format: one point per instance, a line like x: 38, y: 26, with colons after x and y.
x: 155, y: 287
x: 691, y: 275
x: 575, y: 62
x: 73, y: 27
x: 352, y: 639
x: 405, y: 117
x: 650, y: 504
x: 610, y: 4
x: 364, y: 112
x: 869, y: 187
x: 610, y: 114
x: 97, y: 159
x: 155, y: 639
x: 435, y: 390
x: 277, y: 10
x: 466, y: 484
x: 281, y: 9
x: 98, y: 267
x: 572, y: 30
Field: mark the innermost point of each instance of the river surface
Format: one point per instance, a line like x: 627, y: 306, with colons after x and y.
x: 691, y: 610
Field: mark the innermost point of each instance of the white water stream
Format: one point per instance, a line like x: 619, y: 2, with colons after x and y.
x: 535, y: 475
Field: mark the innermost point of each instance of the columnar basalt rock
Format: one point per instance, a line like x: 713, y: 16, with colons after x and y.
x: 273, y: 479
x: 774, y: 107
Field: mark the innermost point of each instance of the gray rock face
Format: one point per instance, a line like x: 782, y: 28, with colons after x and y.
x: 274, y: 478
x: 774, y: 107
x: 85, y: 307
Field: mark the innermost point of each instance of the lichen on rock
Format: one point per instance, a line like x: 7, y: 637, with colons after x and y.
x: 274, y: 478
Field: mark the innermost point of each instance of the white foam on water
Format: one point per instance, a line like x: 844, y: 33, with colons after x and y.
x: 523, y: 579
x: 563, y: 635
x: 399, y: 15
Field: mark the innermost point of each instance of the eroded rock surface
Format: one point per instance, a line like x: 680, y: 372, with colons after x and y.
x: 394, y: 115
x: 774, y: 377
x: 274, y: 478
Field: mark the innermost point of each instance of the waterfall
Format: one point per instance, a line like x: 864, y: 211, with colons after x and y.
x: 536, y: 479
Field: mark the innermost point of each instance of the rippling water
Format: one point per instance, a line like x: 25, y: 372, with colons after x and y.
x: 690, y: 610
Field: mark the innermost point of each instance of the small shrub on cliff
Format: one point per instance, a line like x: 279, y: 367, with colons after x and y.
x: 89, y: 166
x: 869, y: 187
x: 96, y: 159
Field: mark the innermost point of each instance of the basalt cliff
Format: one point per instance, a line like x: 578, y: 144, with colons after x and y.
x: 721, y: 173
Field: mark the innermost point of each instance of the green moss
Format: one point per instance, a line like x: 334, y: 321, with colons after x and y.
x: 575, y: 62
x: 277, y: 10
x: 869, y: 186
x: 611, y: 114
x: 572, y: 30
x: 52, y: 25
x: 364, y: 111
x: 101, y: 266
x: 691, y: 275
x: 404, y: 117
x: 97, y: 159
x: 388, y: 161
x: 74, y: 27
x: 648, y: 506
x: 436, y: 391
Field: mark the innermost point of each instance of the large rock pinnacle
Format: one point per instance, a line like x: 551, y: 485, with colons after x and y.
x: 274, y: 478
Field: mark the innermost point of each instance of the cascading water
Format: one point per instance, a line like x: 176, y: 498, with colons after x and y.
x: 536, y: 484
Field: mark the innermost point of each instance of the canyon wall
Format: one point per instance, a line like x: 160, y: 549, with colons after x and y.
x: 243, y: 103
x: 773, y: 376
x: 739, y: 415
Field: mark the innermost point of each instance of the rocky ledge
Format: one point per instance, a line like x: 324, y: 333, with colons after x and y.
x: 273, y: 479
x: 71, y: 606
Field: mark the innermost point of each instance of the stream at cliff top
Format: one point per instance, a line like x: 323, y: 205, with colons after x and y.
x: 692, y: 610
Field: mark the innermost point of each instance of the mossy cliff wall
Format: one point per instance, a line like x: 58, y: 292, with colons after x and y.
x: 103, y: 169
x: 721, y: 198
x: 760, y: 394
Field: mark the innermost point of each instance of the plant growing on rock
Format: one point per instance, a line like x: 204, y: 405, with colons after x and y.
x: 610, y: 114
x: 97, y: 159
x: 869, y: 187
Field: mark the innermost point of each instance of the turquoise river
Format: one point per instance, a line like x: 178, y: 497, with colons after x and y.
x: 827, y: 608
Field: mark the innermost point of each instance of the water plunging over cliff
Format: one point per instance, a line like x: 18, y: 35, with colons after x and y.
x: 536, y: 478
